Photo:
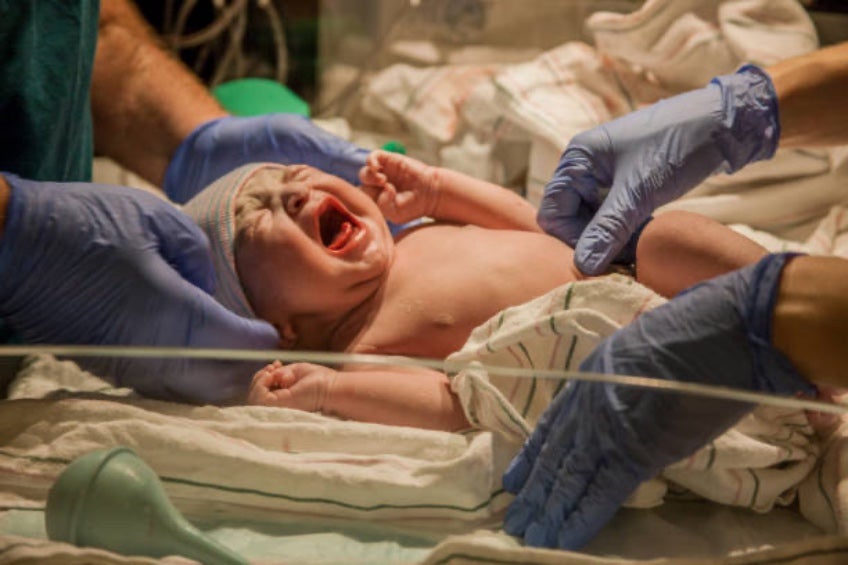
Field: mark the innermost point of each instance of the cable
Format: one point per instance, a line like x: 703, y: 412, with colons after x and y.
x: 279, y: 37
x: 445, y: 366
x: 211, y: 31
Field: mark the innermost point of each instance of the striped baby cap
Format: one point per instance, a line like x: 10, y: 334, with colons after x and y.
x: 213, y: 209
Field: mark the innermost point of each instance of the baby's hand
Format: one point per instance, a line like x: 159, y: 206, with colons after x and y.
x: 302, y: 386
x: 405, y: 189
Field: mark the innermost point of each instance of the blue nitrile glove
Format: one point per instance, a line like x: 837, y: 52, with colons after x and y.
x: 107, y: 265
x: 652, y: 156
x: 597, y: 442
x: 219, y: 146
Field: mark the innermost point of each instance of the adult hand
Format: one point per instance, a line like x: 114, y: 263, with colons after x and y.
x: 597, y: 442
x: 652, y: 156
x: 219, y: 146
x: 106, y: 265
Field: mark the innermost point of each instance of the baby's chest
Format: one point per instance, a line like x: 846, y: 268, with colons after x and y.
x: 433, y: 314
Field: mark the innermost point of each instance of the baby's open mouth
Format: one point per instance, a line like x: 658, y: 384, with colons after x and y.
x: 335, y: 224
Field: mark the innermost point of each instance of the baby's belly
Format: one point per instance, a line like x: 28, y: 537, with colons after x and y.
x: 459, y: 277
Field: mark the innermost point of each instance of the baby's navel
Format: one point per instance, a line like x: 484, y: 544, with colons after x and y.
x: 444, y: 319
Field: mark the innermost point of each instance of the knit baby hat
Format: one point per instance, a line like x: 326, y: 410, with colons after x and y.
x: 213, y: 209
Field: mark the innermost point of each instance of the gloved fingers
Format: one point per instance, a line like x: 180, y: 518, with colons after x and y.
x: 598, y: 504
x: 553, y: 435
x: 536, y: 489
x: 207, y: 322
x: 609, y: 230
x: 529, y: 503
x: 522, y: 464
x: 574, y: 193
x: 183, y: 245
x: 574, y: 477
x: 224, y: 329
x: 563, y: 212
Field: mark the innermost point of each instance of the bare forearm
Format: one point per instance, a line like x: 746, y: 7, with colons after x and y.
x: 467, y: 200
x: 144, y: 102
x: 417, y: 398
x: 811, y: 97
x: 678, y: 249
x: 810, y: 322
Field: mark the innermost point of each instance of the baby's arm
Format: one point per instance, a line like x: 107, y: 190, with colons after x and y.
x: 678, y: 249
x: 407, y: 189
x: 412, y: 397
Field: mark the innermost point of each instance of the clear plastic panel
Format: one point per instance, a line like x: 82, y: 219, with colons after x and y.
x: 268, y: 482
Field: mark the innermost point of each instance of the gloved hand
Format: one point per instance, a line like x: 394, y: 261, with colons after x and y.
x: 652, y: 156
x: 597, y: 442
x: 219, y: 146
x: 107, y: 265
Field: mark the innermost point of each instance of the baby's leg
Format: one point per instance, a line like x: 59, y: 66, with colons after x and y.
x: 678, y: 249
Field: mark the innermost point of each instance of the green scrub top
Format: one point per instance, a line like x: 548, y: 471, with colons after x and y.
x: 46, y: 57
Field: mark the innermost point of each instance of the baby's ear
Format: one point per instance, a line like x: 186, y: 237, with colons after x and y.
x: 288, y: 337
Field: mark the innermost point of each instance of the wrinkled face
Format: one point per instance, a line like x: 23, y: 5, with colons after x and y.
x: 308, y: 243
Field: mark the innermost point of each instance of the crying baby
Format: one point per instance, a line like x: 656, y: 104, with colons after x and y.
x: 313, y: 255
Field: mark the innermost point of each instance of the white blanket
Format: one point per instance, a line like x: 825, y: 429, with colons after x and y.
x: 470, y: 116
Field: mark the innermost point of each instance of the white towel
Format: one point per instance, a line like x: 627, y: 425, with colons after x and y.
x: 298, y: 461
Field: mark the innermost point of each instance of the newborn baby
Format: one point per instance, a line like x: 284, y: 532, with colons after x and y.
x: 313, y: 255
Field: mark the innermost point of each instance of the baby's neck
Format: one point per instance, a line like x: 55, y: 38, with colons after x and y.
x: 350, y: 326
x: 336, y: 332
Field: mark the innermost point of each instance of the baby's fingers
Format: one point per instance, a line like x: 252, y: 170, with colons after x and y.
x: 261, y: 377
x: 368, y: 175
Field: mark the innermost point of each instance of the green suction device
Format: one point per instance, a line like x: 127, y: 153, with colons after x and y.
x: 113, y: 500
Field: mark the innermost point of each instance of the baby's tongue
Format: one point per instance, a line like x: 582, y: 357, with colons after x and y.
x: 341, y: 236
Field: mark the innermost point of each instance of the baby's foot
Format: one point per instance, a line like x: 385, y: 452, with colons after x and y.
x: 301, y: 386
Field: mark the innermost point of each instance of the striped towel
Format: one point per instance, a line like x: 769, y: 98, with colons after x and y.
x: 756, y: 464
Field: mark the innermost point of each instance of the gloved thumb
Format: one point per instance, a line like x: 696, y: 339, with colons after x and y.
x: 184, y: 246
x: 609, y: 233
x: 212, y: 325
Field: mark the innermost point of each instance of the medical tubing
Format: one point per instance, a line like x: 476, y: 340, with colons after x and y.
x: 446, y: 366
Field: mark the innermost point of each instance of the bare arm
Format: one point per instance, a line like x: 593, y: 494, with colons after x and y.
x: 402, y: 396
x: 811, y: 318
x: 406, y: 189
x: 467, y: 200
x: 808, y: 87
x: 679, y: 249
x: 144, y: 102
x: 414, y: 397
